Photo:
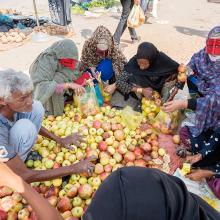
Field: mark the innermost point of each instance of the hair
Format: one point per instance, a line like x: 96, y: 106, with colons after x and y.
x: 13, y: 81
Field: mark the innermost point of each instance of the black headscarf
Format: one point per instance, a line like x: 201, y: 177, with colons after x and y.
x: 161, y: 67
x: 135, y: 193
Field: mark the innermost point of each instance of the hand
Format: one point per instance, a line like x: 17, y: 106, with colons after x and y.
x: 147, y: 92
x: 78, y: 89
x: 193, y: 158
x: 198, y: 174
x: 75, y: 139
x: 86, y: 165
x: 137, y: 2
x: 110, y: 89
x: 10, y: 179
x: 175, y: 105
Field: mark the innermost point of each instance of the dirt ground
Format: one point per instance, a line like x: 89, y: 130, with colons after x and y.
x: 180, y: 30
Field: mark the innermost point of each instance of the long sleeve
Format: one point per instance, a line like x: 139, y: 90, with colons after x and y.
x: 122, y: 83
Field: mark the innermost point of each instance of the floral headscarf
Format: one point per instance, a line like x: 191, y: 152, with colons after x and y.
x: 208, y: 74
x: 89, y: 57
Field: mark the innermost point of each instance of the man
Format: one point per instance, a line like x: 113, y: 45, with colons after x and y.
x: 126, y: 8
x: 20, y: 123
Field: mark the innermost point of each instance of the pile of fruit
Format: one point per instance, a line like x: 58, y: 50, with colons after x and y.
x: 52, y: 29
x: 9, y: 11
x: 107, y: 138
x: 13, y: 36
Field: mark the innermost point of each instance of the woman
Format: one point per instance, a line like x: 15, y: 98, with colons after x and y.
x: 148, y: 70
x: 53, y: 73
x: 135, y: 193
x: 101, y: 54
x: 203, y: 136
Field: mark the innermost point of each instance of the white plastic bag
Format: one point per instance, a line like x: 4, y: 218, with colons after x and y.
x: 136, y: 17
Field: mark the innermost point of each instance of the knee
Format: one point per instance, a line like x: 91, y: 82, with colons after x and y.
x: 23, y: 129
x: 38, y: 110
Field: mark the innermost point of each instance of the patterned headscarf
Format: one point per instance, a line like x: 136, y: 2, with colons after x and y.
x: 89, y: 57
x: 208, y: 74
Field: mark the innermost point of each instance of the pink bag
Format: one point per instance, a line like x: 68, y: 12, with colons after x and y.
x: 214, y: 184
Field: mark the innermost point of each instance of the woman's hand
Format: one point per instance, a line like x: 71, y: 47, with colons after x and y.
x: 78, y: 89
x: 147, y: 92
x: 110, y: 89
x: 175, y: 105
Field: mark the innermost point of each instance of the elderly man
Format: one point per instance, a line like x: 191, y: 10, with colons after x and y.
x: 20, y: 123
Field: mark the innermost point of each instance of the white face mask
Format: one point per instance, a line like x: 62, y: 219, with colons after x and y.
x: 214, y: 58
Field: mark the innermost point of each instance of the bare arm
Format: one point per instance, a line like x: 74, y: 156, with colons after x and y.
x: 17, y: 165
x: 44, y: 210
x: 44, y: 132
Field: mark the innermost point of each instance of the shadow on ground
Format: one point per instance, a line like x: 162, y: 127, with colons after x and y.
x: 191, y: 32
x: 86, y: 33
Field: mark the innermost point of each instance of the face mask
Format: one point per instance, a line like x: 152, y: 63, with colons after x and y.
x: 214, y: 58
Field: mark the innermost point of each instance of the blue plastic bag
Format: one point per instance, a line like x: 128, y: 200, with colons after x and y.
x: 99, y: 95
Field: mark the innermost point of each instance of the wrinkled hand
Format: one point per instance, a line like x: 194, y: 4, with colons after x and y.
x: 110, y: 89
x: 78, y: 89
x: 86, y: 165
x: 193, y: 158
x: 10, y: 178
x: 137, y: 2
x: 175, y: 105
x: 147, y: 92
x: 75, y: 139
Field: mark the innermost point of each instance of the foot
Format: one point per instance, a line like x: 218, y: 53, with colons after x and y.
x: 193, y: 158
x: 136, y: 40
x: 198, y: 175
x: 146, y: 19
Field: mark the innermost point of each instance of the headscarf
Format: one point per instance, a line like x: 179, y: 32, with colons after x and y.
x: 208, y: 75
x: 46, y: 72
x: 161, y: 67
x: 136, y: 193
x: 89, y: 57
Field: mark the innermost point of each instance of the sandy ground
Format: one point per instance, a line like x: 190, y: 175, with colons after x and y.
x: 180, y: 30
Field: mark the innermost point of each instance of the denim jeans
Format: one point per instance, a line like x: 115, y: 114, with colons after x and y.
x: 23, y: 133
x: 144, y: 4
x: 126, y: 8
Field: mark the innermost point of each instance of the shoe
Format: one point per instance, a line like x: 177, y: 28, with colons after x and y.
x: 136, y: 40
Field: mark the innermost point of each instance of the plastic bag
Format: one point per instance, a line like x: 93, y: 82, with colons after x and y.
x: 136, y: 17
x: 166, y: 122
x: 98, y: 95
x: 87, y: 102
x: 131, y: 118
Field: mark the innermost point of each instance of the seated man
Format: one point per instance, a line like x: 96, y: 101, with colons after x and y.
x: 20, y: 123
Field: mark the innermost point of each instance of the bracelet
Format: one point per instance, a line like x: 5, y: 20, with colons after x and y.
x: 66, y: 85
x: 139, y: 90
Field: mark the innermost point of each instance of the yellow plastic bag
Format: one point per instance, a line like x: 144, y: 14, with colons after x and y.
x: 87, y: 102
x: 131, y: 118
x: 166, y: 122
x: 136, y: 17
